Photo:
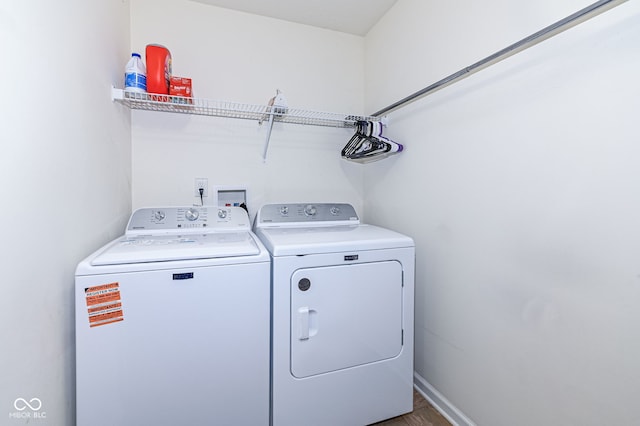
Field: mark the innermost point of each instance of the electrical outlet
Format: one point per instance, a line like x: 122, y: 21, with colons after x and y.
x: 201, y: 183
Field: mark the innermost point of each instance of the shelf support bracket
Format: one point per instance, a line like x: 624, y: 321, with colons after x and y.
x: 116, y: 94
x: 266, y: 142
x: 277, y: 105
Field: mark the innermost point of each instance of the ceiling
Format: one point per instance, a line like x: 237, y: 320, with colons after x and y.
x: 348, y: 16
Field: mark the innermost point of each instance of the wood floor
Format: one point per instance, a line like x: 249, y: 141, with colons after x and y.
x: 423, y: 414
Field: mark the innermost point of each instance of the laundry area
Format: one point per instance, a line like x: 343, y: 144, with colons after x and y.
x: 476, y: 243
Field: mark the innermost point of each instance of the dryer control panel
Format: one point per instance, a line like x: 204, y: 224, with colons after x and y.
x: 307, y: 214
x: 180, y: 220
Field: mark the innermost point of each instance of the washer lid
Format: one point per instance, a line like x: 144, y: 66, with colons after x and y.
x: 161, y: 248
x: 330, y: 239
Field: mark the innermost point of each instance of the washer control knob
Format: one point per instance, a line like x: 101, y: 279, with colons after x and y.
x: 284, y: 210
x: 222, y: 214
x: 310, y: 210
x: 334, y: 210
x: 192, y: 214
x: 159, y: 215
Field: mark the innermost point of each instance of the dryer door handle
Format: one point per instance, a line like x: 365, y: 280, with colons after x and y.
x: 307, y: 323
x: 303, y: 323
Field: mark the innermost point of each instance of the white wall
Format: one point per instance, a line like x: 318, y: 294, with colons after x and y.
x: 239, y: 57
x: 521, y: 188
x: 65, y: 174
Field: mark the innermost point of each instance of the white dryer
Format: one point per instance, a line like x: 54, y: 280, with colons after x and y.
x: 172, y: 323
x: 342, y: 316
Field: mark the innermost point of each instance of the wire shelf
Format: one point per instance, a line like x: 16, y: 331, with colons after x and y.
x: 215, y: 108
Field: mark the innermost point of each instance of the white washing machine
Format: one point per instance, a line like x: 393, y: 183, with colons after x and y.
x: 172, y: 322
x: 342, y: 316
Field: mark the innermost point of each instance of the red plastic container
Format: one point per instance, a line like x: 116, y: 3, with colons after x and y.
x: 158, y: 69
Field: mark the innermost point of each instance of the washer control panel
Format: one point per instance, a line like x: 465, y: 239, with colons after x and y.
x: 202, y: 219
x: 307, y: 213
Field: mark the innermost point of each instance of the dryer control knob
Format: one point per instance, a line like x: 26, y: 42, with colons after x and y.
x: 159, y: 215
x: 222, y: 214
x: 334, y: 210
x: 310, y: 210
x: 192, y: 214
x: 284, y: 210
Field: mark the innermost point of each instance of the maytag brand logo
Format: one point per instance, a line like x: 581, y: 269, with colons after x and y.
x: 27, y: 409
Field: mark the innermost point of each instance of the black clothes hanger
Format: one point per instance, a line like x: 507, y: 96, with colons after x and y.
x: 356, y: 139
x: 367, y: 144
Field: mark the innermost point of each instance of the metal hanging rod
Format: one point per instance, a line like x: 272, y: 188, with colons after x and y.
x: 547, y: 32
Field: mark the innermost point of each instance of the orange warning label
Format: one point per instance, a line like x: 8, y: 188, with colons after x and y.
x: 103, y: 304
x: 102, y: 294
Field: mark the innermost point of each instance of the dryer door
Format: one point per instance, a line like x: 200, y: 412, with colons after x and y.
x: 344, y: 316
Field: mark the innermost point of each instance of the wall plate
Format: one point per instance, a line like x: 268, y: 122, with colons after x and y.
x: 230, y: 195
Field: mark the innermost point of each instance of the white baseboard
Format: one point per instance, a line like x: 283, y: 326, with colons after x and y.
x: 440, y: 403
